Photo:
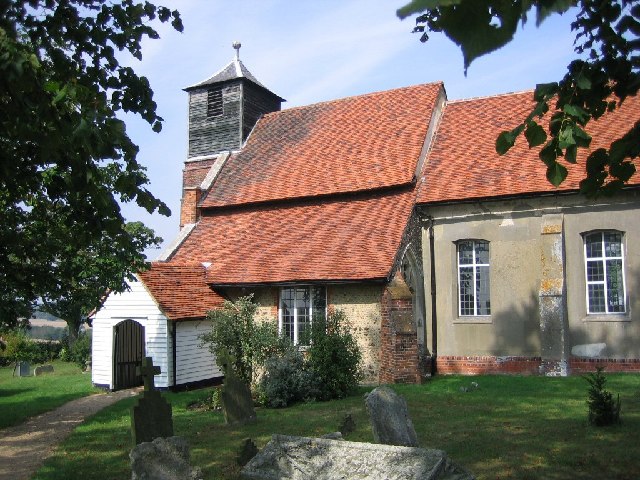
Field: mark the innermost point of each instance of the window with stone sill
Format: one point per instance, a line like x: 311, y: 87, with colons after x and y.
x: 474, y: 299
x: 604, y: 272
x: 299, y: 306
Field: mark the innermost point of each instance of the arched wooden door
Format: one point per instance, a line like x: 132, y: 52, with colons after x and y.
x: 128, y: 352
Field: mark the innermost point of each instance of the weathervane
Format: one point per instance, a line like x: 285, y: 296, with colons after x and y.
x: 237, y: 46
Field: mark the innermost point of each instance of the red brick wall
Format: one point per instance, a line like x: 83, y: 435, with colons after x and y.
x: 398, y: 350
x: 584, y: 365
x: 489, y: 365
x: 189, y: 206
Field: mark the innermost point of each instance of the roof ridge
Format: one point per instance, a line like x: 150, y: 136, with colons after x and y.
x: 496, y: 95
x: 361, y: 95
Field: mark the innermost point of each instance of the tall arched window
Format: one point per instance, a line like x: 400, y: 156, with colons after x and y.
x: 474, y: 297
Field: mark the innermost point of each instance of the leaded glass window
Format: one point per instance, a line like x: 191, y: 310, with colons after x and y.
x: 604, y: 271
x: 299, y: 306
x: 474, y: 297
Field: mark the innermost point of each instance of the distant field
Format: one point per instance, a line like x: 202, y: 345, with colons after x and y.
x: 36, y: 322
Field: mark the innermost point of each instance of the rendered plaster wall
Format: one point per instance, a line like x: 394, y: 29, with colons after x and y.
x: 512, y: 328
x: 608, y: 336
x: 523, y: 274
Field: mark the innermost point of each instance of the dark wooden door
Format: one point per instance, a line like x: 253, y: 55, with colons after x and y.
x: 127, y: 354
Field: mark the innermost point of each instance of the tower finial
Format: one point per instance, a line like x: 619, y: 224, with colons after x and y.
x: 237, y: 46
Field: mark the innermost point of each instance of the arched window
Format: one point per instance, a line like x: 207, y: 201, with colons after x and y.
x: 604, y: 272
x: 474, y: 297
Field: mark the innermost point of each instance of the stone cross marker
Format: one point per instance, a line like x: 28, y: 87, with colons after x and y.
x: 151, y: 417
x: 148, y: 370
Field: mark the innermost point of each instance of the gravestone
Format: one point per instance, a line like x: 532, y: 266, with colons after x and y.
x: 237, y: 403
x: 22, y: 369
x: 303, y: 458
x: 163, y: 459
x: 42, y: 369
x: 389, y: 418
x: 151, y: 417
x: 348, y: 425
x: 247, y: 452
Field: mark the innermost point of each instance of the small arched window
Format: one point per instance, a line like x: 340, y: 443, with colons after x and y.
x: 604, y: 272
x: 474, y: 297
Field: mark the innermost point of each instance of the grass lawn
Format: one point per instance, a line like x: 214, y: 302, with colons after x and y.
x: 510, y: 427
x: 24, y: 397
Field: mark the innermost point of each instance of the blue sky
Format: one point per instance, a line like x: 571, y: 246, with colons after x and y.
x: 309, y: 51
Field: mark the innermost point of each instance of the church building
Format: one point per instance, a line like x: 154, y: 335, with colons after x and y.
x: 394, y: 208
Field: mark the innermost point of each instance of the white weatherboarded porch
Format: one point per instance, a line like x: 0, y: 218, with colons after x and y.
x: 130, y: 326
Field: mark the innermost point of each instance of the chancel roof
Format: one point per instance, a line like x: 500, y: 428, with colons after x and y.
x: 463, y: 163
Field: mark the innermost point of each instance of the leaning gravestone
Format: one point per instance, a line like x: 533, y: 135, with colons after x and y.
x: 22, y: 369
x: 163, y: 459
x: 237, y: 403
x: 42, y: 369
x: 151, y: 417
x: 389, y: 417
x: 301, y: 458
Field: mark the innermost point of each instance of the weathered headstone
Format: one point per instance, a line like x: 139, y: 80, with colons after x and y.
x: 163, y: 459
x: 22, y: 369
x: 389, y: 417
x: 247, y: 452
x: 151, y: 417
x: 348, y: 425
x: 42, y: 369
x: 302, y: 458
x: 237, y: 404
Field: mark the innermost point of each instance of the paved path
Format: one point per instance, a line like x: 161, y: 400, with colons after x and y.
x: 25, y: 447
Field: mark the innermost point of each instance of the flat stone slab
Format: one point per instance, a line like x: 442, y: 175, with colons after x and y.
x: 302, y: 458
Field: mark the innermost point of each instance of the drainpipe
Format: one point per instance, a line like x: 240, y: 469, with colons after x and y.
x: 434, y: 309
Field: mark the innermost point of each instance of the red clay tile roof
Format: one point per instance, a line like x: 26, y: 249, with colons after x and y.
x: 463, y: 163
x: 180, y: 290
x: 338, y: 239
x: 348, y: 145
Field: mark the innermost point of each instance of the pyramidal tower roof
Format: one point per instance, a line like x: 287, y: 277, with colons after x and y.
x: 234, y: 70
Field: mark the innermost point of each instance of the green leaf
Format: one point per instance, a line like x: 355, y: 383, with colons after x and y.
x: 544, y: 91
x: 565, y: 137
x: 535, y: 134
x: 417, y: 6
x: 577, y: 112
x: 556, y: 174
x: 546, y: 8
x: 504, y: 142
x: 549, y: 153
x: 571, y: 154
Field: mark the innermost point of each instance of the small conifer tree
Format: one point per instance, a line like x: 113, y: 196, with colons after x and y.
x: 603, y: 409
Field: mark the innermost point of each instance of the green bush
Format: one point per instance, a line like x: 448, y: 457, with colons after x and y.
x: 334, y: 356
x: 78, y: 353
x: 241, y: 343
x: 603, y: 409
x: 287, y: 380
x: 17, y: 348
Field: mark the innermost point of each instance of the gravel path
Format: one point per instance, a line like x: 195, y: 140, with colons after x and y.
x: 25, y: 447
